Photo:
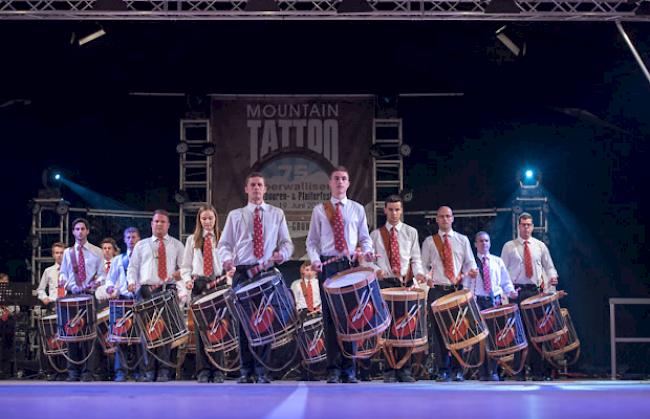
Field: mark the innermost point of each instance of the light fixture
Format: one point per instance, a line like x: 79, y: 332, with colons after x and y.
x: 181, y: 197
x: 182, y: 147
x: 92, y: 36
x: 407, y: 195
x: 36, y: 207
x: 405, y: 150
x: 375, y: 151
x: 62, y: 207
x: 209, y: 150
x: 33, y: 241
x: 509, y: 43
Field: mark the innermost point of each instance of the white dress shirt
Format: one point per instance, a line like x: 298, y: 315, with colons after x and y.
x: 409, y: 250
x: 463, y: 257
x: 143, y: 264
x: 499, y: 278
x: 193, y: 260
x: 236, y: 242
x: 93, y: 263
x: 543, y: 268
x: 320, y: 240
x: 49, y: 281
x: 117, y: 276
x: 296, y: 289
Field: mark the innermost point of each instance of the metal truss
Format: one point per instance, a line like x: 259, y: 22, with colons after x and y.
x: 387, y: 164
x: 49, y: 226
x: 515, y: 10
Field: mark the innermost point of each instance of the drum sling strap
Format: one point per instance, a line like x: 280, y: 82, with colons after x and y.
x: 441, y: 251
x: 386, y: 240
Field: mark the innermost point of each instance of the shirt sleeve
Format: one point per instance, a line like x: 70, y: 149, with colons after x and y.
x: 364, y: 235
x: 416, y: 257
x: 225, y: 247
x: 285, y: 245
x: 426, y: 254
x: 133, y: 270
x: 468, y: 258
x: 506, y: 283
x: 188, y: 260
x: 547, y: 262
x: 314, y: 235
x: 41, y: 285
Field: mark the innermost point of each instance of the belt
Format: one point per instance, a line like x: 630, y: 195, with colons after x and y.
x: 343, y: 258
x: 244, y: 268
x: 484, y: 297
x: 445, y: 287
x: 527, y: 286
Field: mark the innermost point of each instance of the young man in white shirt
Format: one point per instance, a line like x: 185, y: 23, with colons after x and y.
x: 323, y: 243
x: 448, y: 257
x: 532, y: 271
x: 253, y: 235
x: 398, y: 264
x: 492, y: 283
x: 154, y: 267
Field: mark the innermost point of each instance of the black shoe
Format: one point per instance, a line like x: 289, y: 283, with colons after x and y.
x: 333, y: 378
x: 72, y: 378
x: 491, y: 377
x: 163, y: 377
x: 146, y: 378
x: 459, y: 377
x: 50, y: 377
x: 406, y: 378
x: 350, y: 379
x: 203, y: 377
x: 443, y: 377
x: 263, y: 379
x: 61, y: 377
x: 245, y: 379
x: 217, y: 377
x: 390, y: 378
x: 86, y: 378
x: 120, y: 377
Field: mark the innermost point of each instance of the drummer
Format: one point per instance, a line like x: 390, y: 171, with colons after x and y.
x: 336, y: 226
x: 528, y: 262
x: 253, y: 235
x: 201, y: 264
x: 398, y: 251
x: 492, y: 283
x: 153, y: 269
x: 448, y: 257
x: 81, y: 273
x: 305, y: 291
x: 117, y: 288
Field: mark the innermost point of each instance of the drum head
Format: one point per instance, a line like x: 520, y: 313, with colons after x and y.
x: 348, y: 278
x: 75, y: 299
x: 453, y: 299
x: 402, y: 294
x: 211, y: 296
x: 266, y: 277
x: 49, y: 318
x: 499, y: 311
x: 540, y: 299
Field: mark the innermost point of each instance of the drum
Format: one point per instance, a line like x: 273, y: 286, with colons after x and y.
x: 507, y: 336
x: 409, y: 317
x: 543, y: 318
x: 122, y: 324
x: 266, y: 310
x: 218, y: 328
x: 103, y: 331
x: 312, y: 340
x: 358, y: 310
x: 564, y: 350
x: 76, y: 318
x: 461, y: 325
x: 160, y: 320
x: 47, y: 327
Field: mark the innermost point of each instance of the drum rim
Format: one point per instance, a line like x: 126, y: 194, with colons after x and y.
x: 539, y: 300
x: 261, y: 281
x: 213, y: 295
x: 327, y: 284
x: 309, y: 322
x: 74, y: 298
x: 401, y: 294
x: 450, y: 300
x: 491, y: 313
x: 122, y: 302
x: 49, y: 317
x: 101, y: 312
x: 499, y: 353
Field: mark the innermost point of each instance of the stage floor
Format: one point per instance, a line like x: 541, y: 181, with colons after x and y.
x: 287, y: 399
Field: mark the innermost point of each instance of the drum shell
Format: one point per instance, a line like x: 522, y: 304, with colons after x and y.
x: 121, y: 311
x: 103, y: 331
x: 50, y: 344
x: 216, y: 308
x: 459, y: 320
x: 563, y: 343
x: 163, y: 306
x: 408, y: 309
x: 311, y: 340
x: 543, y: 317
x: 507, y: 335
x: 81, y: 306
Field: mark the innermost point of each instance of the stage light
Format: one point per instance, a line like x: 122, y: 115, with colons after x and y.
x: 529, y: 178
x: 209, y: 150
x: 182, y: 147
x: 91, y: 37
x: 529, y: 174
x: 509, y: 43
x: 407, y: 195
x: 57, y: 176
x: 405, y: 150
x: 181, y: 197
x: 62, y: 207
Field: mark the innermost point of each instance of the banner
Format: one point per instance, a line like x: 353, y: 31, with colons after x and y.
x: 294, y: 141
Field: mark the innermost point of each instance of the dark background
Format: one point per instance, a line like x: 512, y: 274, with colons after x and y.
x: 576, y: 107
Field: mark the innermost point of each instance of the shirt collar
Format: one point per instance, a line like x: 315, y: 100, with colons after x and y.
x: 165, y: 238
x: 343, y: 201
x: 480, y: 256
x: 398, y: 226
x: 521, y: 240
x: 206, y: 232
x: 451, y: 233
x: 251, y: 207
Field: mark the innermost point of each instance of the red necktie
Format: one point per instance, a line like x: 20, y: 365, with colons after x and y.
x: 528, y: 261
x: 162, y: 261
x: 258, y: 235
x: 108, y: 266
x: 208, y: 263
x: 339, y: 236
x: 307, y: 292
x: 395, y: 260
x: 447, y: 260
x: 487, y: 283
x: 60, y: 289
x: 81, y: 274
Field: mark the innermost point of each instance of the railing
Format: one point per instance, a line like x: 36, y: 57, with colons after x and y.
x: 613, y: 339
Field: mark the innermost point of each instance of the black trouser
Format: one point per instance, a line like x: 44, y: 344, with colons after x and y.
x: 249, y: 363
x: 161, y: 355
x: 398, y: 352
x: 445, y: 362
x: 336, y: 362
x: 7, y: 332
x: 89, y: 350
x: 488, y: 367
x: 537, y: 365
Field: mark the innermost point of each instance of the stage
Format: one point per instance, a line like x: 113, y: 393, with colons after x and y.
x: 289, y: 399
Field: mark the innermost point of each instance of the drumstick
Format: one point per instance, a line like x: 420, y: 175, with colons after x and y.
x: 215, y: 282
x: 156, y: 315
x: 314, y: 342
x: 124, y: 319
x: 459, y: 318
x: 410, y: 315
x: 77, y: 317
x: 364, y: 302
x: 217, y: 320
x: 509, y: 325
x: 546, y: 318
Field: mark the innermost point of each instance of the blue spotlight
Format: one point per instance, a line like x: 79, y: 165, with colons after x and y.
x: 529, y: 174
x: 57, y: 176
